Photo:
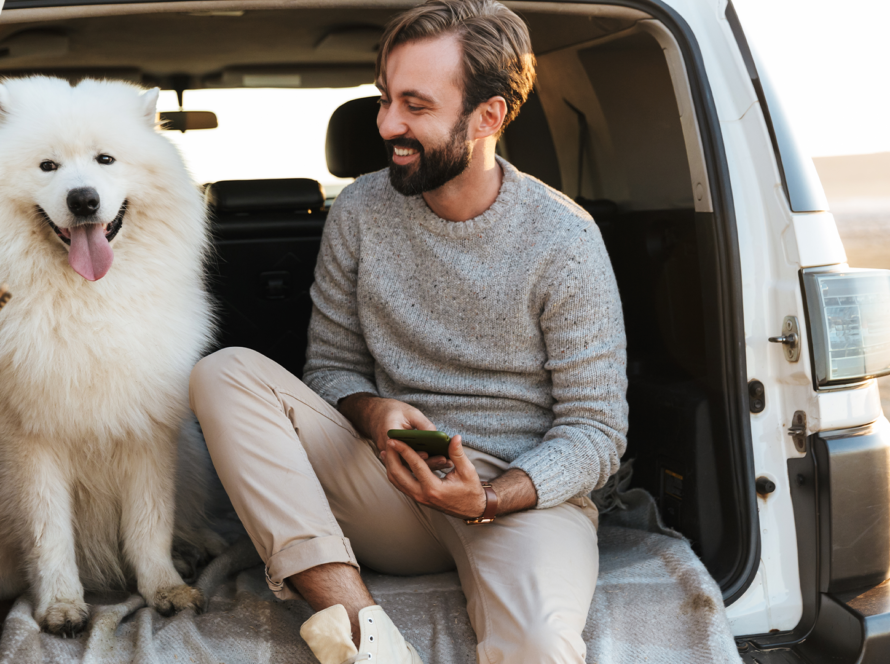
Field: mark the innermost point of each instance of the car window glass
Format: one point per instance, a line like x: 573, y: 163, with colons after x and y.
x: 262, y: 133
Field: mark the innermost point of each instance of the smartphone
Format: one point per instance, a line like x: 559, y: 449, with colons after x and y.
x: 434, y: 443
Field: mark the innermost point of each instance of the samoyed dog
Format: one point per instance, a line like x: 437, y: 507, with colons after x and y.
x: 103, y: 235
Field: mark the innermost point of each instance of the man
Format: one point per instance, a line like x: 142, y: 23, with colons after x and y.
x: 454, y: 293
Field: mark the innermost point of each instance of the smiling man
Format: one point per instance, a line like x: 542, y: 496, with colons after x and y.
x: 454, y: 293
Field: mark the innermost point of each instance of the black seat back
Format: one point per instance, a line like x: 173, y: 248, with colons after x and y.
x: 266, y: 237
x: 353, y: 145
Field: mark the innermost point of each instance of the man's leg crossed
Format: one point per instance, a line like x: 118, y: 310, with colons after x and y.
x: 307, y: 488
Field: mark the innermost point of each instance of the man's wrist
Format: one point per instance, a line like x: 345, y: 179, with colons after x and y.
x: 516, y: 491
x: 490, y: 510
x: 351, y: 400
x: 354, y: 407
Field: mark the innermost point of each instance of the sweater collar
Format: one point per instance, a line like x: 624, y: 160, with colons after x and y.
x: 504, y: 204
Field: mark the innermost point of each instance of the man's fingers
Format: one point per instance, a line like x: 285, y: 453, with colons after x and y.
x: 438, y: 463
x: 415, y: 462
x: 418, y: 466
x: 462, y: 465
x: 399, y: 475
x: 418, y: 420
x: 422, y: 455
x: 394, y: 414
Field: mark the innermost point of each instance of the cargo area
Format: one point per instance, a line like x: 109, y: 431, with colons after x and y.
x: 611, y: 124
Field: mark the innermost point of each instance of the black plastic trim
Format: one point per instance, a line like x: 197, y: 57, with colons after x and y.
x: 851, y: 628
x: 270, y: 225
x: 729, y: 271
x: 842, y: 616
x: 29, y: 4
x: 803, y: 480
x: 811, y: 346
x: 872, y: 608
x: 800, y: 187
x: 854, y: 510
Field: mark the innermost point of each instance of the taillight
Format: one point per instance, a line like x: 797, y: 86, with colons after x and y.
x: 848, y: 317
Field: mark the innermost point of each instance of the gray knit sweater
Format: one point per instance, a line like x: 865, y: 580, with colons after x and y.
x: 506, y: 328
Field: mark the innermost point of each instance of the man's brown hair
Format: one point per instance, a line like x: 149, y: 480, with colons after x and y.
x: 497, y: 50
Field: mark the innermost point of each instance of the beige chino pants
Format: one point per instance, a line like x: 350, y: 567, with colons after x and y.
x: 309, y: 490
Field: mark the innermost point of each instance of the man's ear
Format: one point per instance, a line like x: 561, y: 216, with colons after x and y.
x: 491, y: 117
x: 4, y: 100
x: 149, y: 100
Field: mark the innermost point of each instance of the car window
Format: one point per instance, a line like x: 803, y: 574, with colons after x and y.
x: 799, y: 177
x: 262, y: 133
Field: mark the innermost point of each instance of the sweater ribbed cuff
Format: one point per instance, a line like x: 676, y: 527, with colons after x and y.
x: 335, y: 385
x: 554, y: 481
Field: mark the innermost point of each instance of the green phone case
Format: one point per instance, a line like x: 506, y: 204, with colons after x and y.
x: 434, y: 443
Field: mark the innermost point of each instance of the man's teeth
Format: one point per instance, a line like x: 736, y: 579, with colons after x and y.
x: 404, y: 152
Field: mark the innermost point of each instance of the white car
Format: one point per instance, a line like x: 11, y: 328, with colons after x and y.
x: 755, y: 419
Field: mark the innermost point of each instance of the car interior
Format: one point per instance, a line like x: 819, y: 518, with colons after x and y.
x: 611, y: 124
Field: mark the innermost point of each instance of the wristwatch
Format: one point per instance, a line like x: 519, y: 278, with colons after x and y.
x: 491, y: 506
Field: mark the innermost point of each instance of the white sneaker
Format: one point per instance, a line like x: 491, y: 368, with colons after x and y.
x: 329, y: 636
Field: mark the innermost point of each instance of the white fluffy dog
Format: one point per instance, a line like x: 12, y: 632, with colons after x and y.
x: 103, y: 234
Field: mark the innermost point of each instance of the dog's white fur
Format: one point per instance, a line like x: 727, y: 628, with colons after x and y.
x: 94, y: 375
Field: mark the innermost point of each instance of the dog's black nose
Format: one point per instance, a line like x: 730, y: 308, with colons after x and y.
x: 83, y: 201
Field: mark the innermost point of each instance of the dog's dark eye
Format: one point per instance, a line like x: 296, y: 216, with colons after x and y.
x: 105, y: 159
x: 48, y: 165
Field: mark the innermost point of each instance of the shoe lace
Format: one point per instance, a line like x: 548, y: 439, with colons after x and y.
x: 358, y: 658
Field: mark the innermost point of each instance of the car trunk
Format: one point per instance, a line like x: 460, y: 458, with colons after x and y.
x: 604, y: 126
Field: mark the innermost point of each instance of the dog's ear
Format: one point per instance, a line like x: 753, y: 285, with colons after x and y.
x: 4, y: 100
x: 149, y: 100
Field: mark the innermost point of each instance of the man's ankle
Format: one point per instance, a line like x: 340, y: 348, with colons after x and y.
x: 335, y: 583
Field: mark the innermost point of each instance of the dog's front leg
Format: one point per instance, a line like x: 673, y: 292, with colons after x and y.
x: 147, y: 528
x: 45, y: 511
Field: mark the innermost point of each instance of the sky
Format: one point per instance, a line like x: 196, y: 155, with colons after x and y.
x: 831, y: 68
x: 830, y: 62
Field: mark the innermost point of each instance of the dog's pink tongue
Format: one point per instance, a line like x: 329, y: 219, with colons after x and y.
x: 90, y: 254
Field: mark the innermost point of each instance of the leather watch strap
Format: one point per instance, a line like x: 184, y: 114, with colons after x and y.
x: 491, y: 506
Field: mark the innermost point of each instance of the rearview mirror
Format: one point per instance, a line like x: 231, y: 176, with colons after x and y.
x: 188, y: 120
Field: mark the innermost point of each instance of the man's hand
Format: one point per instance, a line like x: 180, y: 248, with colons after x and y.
x: 373, y: 416
x: 459, y: 493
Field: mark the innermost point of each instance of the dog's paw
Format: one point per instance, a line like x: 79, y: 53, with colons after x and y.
x: 65, y: 617
x: 174, y: 599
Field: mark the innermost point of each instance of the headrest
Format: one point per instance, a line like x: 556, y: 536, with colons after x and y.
x: 353, y: 145
x: 259, y: 195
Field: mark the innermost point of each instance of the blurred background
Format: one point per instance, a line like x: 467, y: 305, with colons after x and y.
x: 832, y: 69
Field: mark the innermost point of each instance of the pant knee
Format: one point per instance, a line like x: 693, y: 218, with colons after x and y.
x: 210, y: 369
x: 544, y: 644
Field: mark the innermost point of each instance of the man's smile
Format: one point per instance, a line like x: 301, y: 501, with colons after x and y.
x: 404, y: 156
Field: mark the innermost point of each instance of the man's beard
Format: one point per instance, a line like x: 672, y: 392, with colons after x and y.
x: 436, y: 166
